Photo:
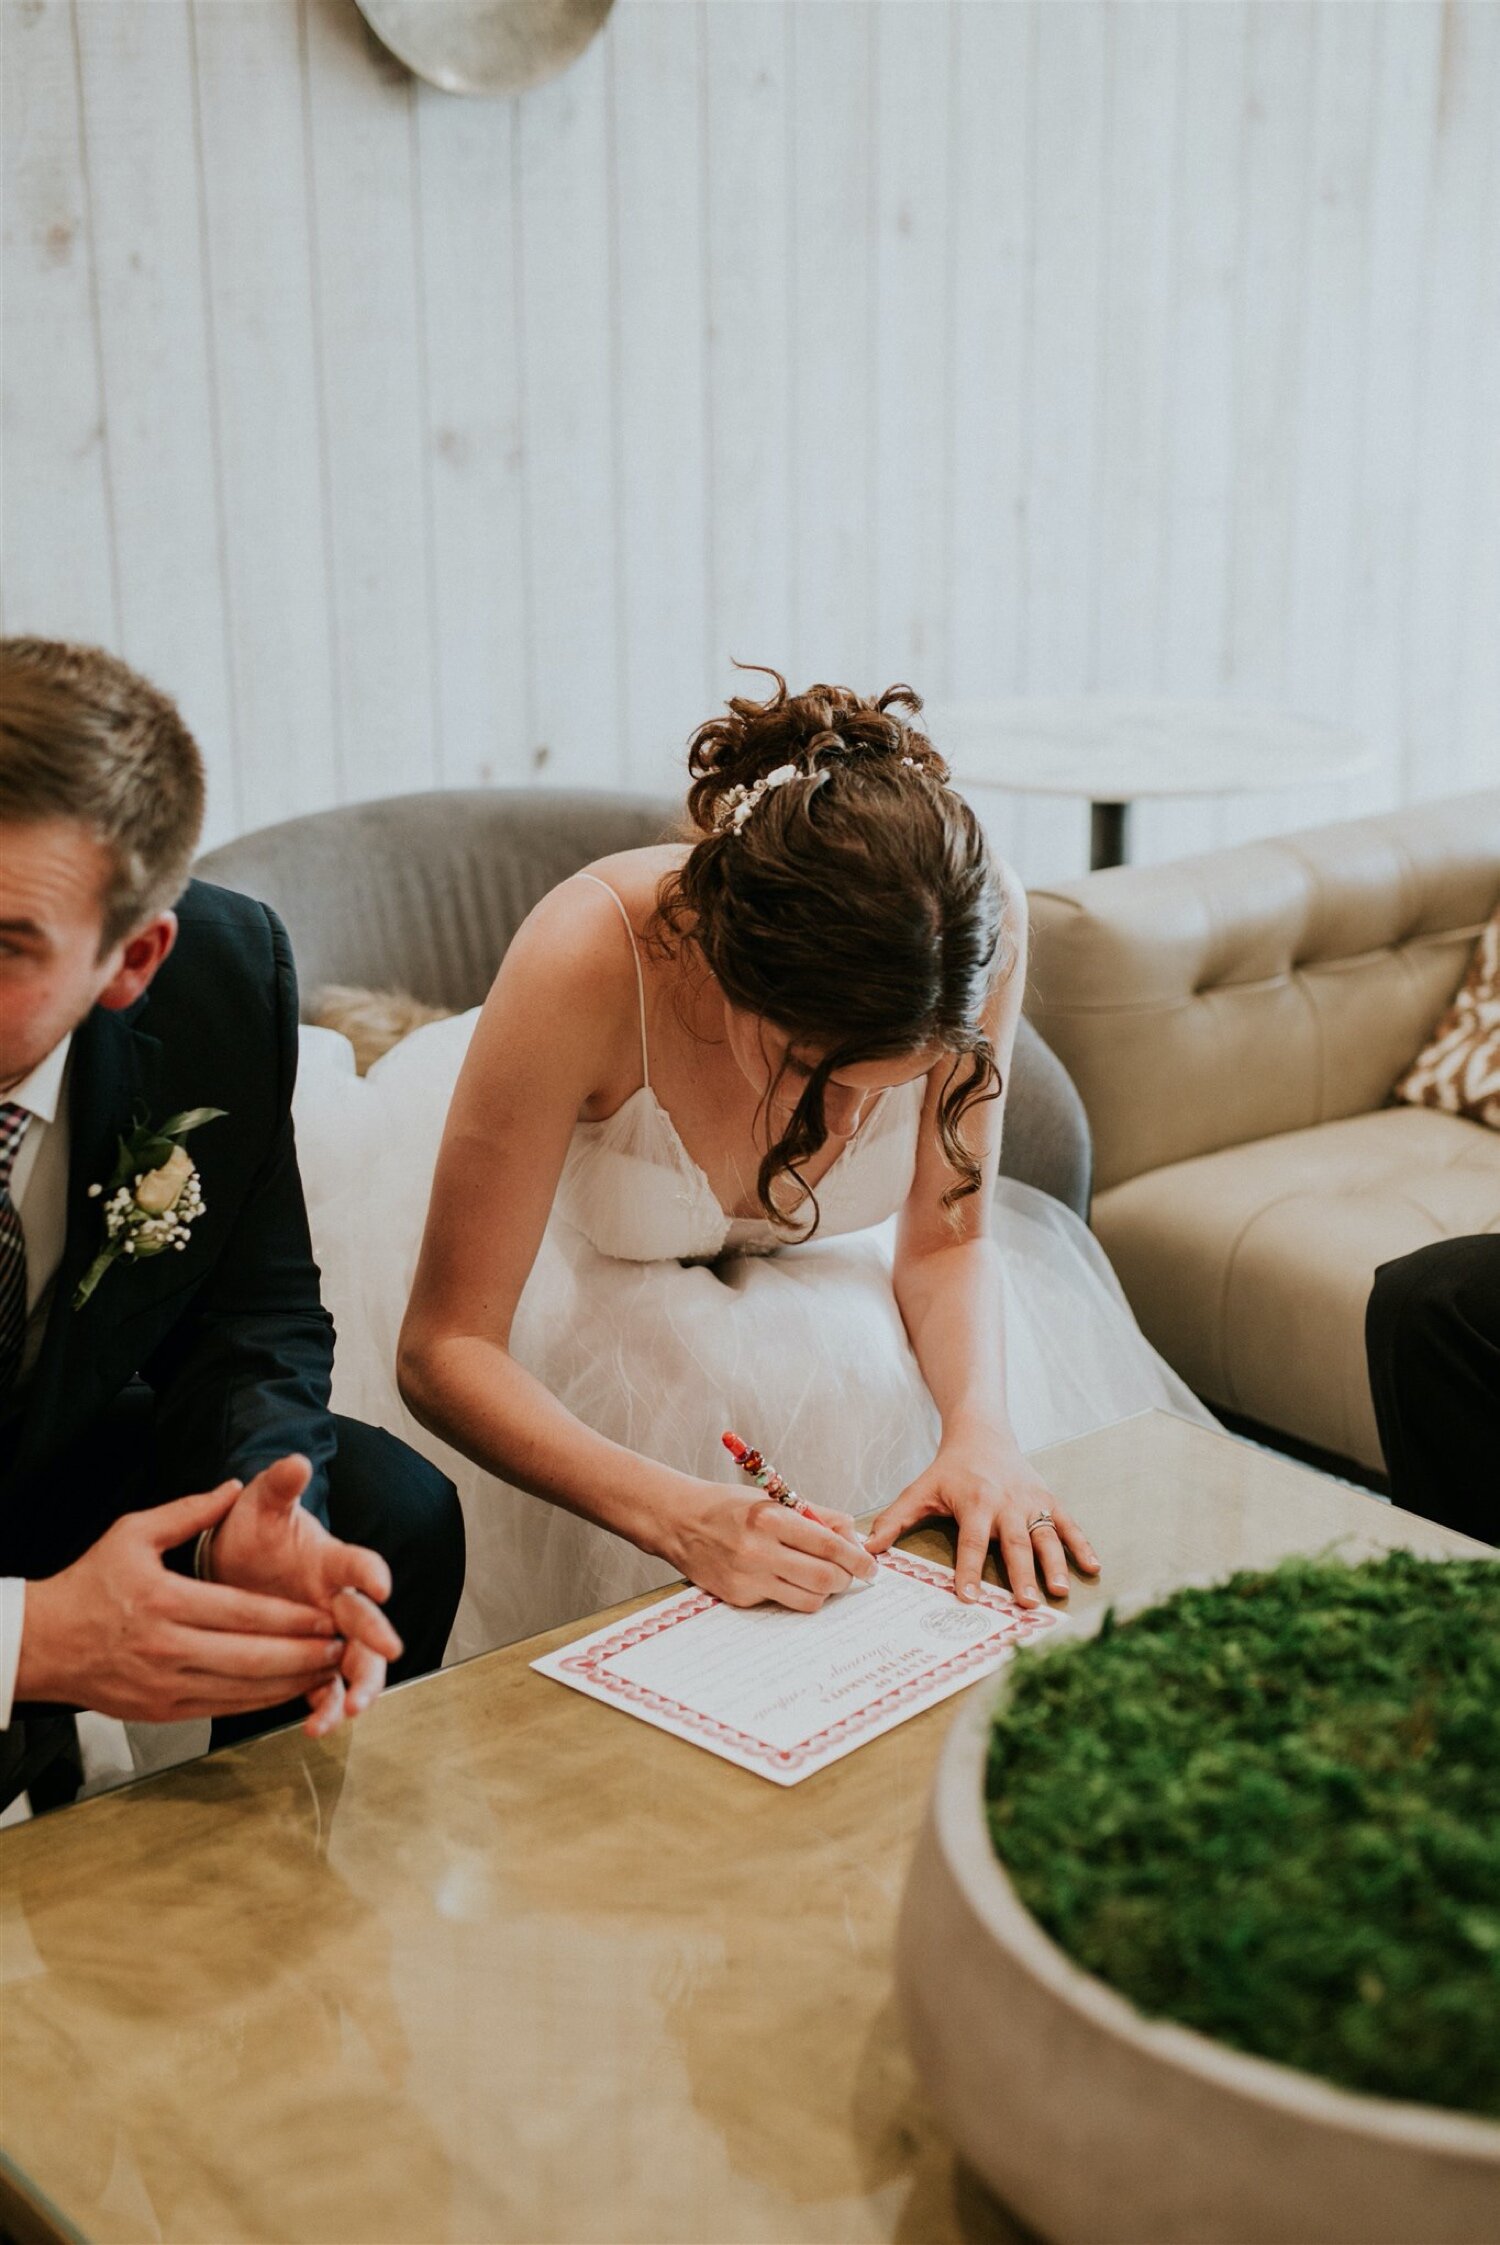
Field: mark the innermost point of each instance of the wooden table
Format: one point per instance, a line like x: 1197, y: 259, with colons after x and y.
x: 501, y: 1964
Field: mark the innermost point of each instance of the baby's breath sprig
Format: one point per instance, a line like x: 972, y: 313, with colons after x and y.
x: 152, y: 1198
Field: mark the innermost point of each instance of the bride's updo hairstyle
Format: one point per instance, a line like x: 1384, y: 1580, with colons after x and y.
x: 854, y: 903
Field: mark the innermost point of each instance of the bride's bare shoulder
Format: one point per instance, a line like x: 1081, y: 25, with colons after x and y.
x: 569, y: 974
x: 635, y: 876
x: 578, y: 923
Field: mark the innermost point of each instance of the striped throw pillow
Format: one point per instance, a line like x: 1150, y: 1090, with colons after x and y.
x: 1459, y: 1070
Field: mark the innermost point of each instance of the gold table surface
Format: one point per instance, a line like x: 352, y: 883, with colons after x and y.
x: 502, y: 1964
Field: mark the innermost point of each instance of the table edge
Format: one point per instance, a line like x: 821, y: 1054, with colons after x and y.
x: 28, y: 2215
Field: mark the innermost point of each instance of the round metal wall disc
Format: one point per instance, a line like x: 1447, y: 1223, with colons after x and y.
x: 485, y: 46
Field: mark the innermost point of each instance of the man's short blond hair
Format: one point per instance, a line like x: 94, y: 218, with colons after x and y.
x: 82, y: 736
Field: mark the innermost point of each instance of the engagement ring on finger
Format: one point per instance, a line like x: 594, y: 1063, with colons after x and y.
x: 1042, y: 1520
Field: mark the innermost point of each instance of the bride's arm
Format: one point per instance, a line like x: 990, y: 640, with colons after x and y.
x: 543, y: 1050
x: 947, y: 1281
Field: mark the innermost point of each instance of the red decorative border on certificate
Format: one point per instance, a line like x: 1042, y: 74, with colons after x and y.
x: 591, y: 1664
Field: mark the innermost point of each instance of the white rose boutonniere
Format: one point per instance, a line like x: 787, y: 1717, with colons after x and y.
x: 153, y: 1197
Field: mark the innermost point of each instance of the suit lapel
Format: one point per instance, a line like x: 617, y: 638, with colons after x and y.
x: 113, y: 1082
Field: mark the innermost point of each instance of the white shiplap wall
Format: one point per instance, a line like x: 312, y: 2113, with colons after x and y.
x: 1005, y: 345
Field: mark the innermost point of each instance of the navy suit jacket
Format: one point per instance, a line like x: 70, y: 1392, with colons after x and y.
x: 230, y: 1335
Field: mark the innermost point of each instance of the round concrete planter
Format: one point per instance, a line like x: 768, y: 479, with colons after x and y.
x: 1098, y: 2126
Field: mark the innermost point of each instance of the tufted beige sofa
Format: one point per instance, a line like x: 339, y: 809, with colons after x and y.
x: 1234, y: 1023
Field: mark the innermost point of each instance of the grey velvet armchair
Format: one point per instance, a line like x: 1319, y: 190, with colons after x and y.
x: 423, y: 893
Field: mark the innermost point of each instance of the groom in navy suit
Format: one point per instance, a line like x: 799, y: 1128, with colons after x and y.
x: 185, y: 1527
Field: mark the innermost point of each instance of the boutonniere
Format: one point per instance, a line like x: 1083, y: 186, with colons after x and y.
x: 152, y: 1198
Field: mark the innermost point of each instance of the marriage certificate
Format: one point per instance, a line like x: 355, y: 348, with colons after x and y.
x: 784, y: 1693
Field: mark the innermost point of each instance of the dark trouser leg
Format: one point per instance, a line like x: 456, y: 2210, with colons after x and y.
x: 381, y: 1494
x: 39, y: 1757
x: 1432, y: 1333
x: 107, y: 1472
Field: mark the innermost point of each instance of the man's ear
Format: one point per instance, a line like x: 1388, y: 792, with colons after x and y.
x: 140, y: 956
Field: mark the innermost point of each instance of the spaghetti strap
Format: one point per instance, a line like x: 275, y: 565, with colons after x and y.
x: 635, y: 953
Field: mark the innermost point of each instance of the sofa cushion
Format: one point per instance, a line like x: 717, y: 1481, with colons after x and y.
x: 1250, y: 1268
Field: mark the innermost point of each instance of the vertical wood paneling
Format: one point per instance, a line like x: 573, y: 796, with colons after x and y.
x: 746, y: 202
x: 568, y: 377
x: 1068, y: 172
x: 259, y: 264
x: 1477, y: 728
x: 1334, y: 309
x: 1065, y: 342
x: 913, y: 318
x: 1023, y: 347
x: 660, y: 402
x: 1198, y: 459
x: 1459, y: 296
x: 1404, y: 118
x: 1136, y: 364
x: 145, y: 216
x: 465, y: 157
x: 374, y: 409
x: 56, y: 533
x: 991, y: 220
x: 833, y: 335
x: 1274, y: 189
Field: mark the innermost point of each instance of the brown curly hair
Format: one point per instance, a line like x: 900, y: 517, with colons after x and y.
x: 857, y: 908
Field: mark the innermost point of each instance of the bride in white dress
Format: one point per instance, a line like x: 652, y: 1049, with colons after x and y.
x: 719, y: 1151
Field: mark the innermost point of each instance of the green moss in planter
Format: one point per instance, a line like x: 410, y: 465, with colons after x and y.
x: 1271, y: 1810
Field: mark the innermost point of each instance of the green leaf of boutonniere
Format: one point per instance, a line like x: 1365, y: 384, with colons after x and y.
x: 180, y: 1125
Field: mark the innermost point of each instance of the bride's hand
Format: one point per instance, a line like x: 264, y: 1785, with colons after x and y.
x: 994, y: 1495
x: 749, y: 1550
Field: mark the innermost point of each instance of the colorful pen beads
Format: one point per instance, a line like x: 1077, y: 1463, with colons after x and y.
x: 765, y: 1476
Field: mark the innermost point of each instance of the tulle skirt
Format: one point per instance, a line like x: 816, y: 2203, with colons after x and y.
x: 802, y: 1351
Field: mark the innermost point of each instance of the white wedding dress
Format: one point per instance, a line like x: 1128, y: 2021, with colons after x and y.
x: 659, y: 1321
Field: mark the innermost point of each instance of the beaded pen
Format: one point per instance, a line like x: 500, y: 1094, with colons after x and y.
x: 765, y: 1476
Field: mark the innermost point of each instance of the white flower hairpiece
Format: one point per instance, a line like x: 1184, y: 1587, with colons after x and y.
x: 738, y: 804
x: 918, y: 766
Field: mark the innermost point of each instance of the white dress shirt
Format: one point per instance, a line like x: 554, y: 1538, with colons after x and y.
x: 39, y: 1193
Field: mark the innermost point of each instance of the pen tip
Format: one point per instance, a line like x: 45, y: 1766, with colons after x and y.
x: 734, y: 1446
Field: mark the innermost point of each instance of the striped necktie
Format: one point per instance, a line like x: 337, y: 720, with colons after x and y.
x: 13, y: 1122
